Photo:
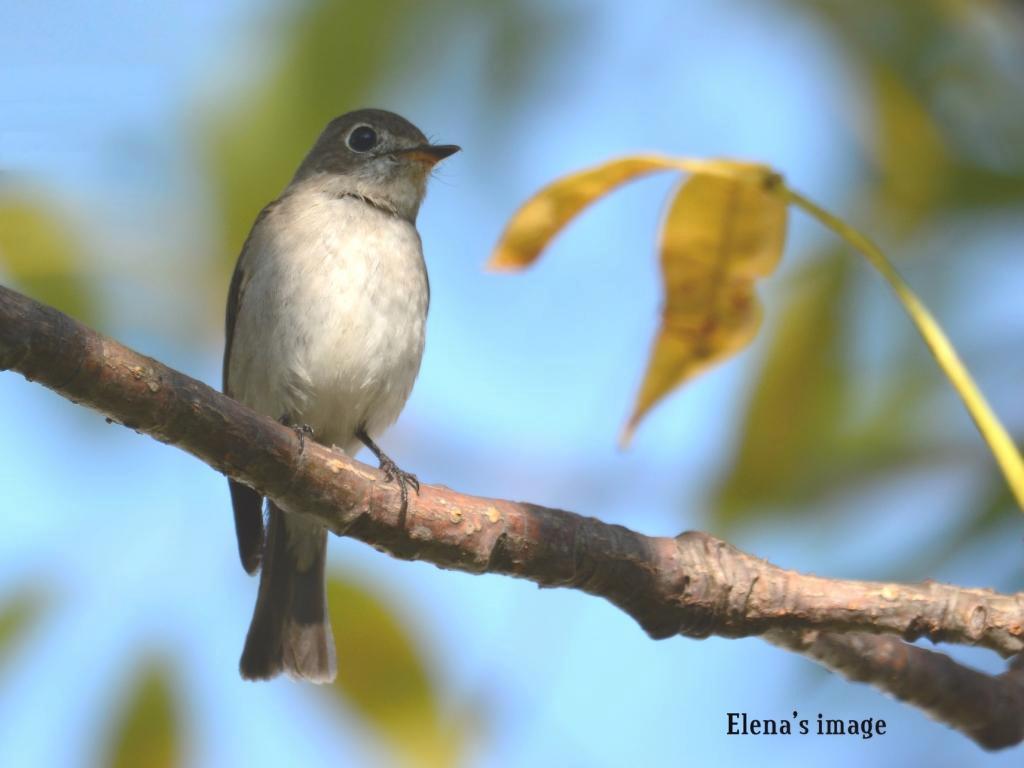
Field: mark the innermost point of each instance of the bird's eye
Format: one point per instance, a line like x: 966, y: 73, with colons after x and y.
x: 362, y: 139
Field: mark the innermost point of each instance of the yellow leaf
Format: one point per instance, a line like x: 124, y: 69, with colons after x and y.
x: 724, y: 229
x: 542, y: 216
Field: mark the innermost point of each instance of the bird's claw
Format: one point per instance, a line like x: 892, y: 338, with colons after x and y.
x: 302, y: 430
x: 392, y: 472
x: 395, y: 474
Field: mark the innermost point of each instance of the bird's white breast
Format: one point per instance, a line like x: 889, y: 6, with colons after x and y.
x: 330, y: 327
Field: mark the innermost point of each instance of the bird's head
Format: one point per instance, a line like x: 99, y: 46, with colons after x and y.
x: 377, y: 155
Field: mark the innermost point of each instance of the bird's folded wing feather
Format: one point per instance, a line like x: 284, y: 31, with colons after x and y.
x: 247, y: 503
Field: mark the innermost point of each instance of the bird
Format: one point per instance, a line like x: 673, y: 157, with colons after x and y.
x: 325, y: 330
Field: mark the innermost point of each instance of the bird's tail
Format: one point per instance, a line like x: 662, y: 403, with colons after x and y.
x: 290, y: 631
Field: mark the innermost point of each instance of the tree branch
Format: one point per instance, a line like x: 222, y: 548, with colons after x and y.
x: 985, y: 708
x: 693, y: 585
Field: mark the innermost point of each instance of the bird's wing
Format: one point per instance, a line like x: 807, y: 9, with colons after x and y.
x: 247, y: 502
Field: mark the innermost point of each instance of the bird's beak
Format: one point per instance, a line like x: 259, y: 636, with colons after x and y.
x: 430, y: 154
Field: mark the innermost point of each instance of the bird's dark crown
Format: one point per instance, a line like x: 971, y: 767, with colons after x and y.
x: 395, y: 125
x: 332, y: 153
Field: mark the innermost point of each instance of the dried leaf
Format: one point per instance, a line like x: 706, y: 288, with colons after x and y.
x: 147, y: 731
x: 724, y: 229
x: 534, y: 225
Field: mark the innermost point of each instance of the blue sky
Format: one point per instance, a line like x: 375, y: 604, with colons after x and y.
x: 526, y: 382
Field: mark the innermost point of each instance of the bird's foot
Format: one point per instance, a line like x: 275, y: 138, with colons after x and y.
x: 302, y: 430
x: 392, y: 472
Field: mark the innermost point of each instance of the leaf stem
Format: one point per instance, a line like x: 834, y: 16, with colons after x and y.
x: 1003, y: 447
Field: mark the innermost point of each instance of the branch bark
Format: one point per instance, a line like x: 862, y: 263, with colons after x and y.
x: 985, y: 708
x: 692, y: 585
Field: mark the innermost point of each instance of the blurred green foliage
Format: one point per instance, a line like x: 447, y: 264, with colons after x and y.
x: 808, y: 430
x: 332, y: 59
x: 41, y: 253
x: 794, y: 406
x: 384, y: 677
x: 338, y: 56
x: 147, y: 730
x: 943, y: 105
x: 18, y: 613
x: 943, y: 83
